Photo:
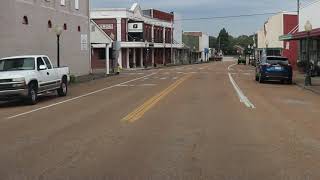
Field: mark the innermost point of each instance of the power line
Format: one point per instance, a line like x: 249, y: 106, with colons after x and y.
x: 310, y: 3
x: 233, y: 16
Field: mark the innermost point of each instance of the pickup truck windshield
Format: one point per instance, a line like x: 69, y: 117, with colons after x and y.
x: 17, y: 64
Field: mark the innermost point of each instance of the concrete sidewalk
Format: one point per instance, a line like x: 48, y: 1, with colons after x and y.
x: 299, y: 81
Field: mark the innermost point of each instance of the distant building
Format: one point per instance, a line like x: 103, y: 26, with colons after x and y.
x: 28, y: 27
x: 273, y: 28
x: 146, y: 36
x: 198, y: 42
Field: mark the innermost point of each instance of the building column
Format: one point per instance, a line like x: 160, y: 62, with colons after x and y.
x: 164, y: 35
x: 128, y: 58
x: 119, y: 30
x: 107, y: 59
x: 134, y: 58
x: 152, y: 33
x: 164, y: 56
x: 152, y: 56
x: 141, y: 57
x: 173, y: 56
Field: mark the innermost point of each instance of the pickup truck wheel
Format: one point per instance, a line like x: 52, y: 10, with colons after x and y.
x: 32, y: 97
x: 63, y: 90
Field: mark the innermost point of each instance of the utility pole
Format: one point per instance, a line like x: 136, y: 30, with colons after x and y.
x: 298, y: 9
x: 172, y: 42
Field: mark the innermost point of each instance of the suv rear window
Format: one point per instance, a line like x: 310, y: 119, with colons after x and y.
x: 277, y: 60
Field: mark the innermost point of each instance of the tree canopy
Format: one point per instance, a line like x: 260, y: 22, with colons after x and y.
x: 227, y: 43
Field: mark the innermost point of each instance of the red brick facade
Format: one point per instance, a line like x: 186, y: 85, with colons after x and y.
x: 147, y: 35
x: 290, y: 47
x: 112, y: 33
x: 163, y: 15
x: 124, y: 30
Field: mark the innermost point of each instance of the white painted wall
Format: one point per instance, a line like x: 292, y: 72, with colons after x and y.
x: 177, y: 35
x: 261, y: 39
x: 204, y: 43
x: 274, y: 28
x: 310, y: 13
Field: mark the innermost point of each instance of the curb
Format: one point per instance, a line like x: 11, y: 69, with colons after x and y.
x: 307, y: 88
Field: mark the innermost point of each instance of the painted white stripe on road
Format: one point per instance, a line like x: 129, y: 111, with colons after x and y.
x: 229, y: 67
x: 243, y: 98
x: 76, y: 98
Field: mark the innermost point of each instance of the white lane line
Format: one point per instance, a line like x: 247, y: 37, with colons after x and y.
x: 76, y: 98
x: 229, y: 67
x: 163, y: 78
x: 242, y: 97
x: 147, y: 85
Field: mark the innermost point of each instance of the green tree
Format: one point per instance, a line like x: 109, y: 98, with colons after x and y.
x: 223, y: 40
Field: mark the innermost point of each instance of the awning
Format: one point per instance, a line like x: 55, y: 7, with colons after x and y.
x: 285, y: 37
x: 98, y: 45
x: 300, y: 35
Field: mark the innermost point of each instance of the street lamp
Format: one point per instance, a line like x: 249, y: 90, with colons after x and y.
x: 58, y: 30
x: 308, y: 29
x: 147, y: 54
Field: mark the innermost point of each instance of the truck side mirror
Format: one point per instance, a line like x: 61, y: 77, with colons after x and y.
x: 42, y: 67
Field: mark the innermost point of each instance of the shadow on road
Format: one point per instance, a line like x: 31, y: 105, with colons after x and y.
x: 21, y: 103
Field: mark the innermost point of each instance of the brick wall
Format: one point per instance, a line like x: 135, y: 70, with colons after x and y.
x: 111, y: 32
x: 290, y: 22
x: 163, y: 15
x: 147, y: 32
x: 124, y: 30
x: 96, y: 62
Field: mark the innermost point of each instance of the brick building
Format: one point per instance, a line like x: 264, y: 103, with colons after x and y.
x: 28, y: 27
x: 145, y: 36
x: 269, y: 41
x: 198, y: 42
x: 309, y: 13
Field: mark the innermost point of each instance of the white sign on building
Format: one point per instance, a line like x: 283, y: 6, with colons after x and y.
x: 135, y: 27
x: 106, y: 26
x: 84, y: 42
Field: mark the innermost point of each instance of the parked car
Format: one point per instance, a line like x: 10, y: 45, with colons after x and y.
x: 26, y: 77
x: 274, y: 68
x: 242, y: 60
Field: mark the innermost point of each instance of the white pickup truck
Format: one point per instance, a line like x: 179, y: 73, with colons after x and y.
x: 29, y: 76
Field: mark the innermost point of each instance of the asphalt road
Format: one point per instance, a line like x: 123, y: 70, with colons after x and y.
x: 207, y: 121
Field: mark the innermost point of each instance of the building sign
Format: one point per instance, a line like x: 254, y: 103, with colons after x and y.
x: 106, y: 26
x: 135, y: 27
x: 84, y: 42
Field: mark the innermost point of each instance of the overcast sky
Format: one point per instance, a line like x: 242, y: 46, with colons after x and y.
x: 211, y: 8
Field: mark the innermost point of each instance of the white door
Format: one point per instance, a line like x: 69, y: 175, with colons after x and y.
x: 43, y: 76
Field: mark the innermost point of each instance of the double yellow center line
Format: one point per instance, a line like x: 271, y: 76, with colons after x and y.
x: 141, y: 110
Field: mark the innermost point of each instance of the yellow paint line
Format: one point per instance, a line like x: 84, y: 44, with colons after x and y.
x: 141, y: 110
